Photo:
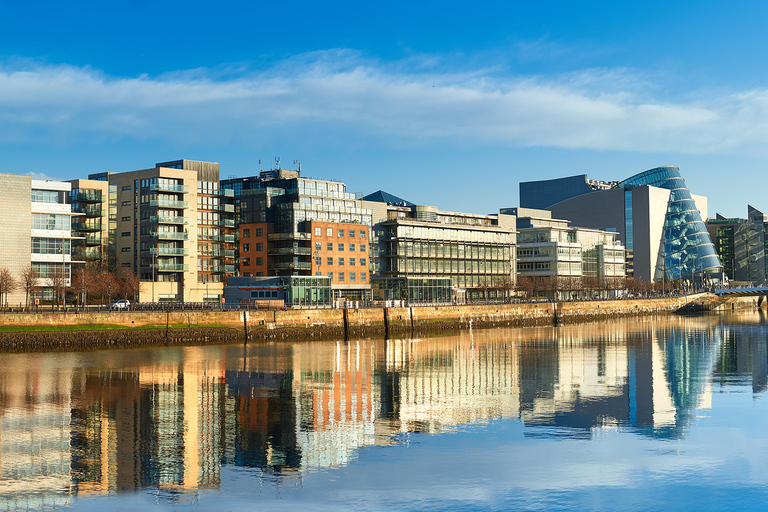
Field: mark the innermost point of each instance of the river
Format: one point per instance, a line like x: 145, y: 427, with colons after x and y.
x: 637, y: 414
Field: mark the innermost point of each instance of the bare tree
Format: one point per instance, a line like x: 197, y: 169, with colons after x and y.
x: 7, y: 285
x: 58, y: 281
x: 128, y: 283
x: 29, y: 282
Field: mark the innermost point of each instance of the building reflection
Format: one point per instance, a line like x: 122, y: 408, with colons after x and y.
x: 170, y: 419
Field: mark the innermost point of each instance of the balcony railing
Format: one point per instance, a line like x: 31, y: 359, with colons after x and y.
x: 229, y: 268
x: 301, y: 265
x: 170, y: 267
x: 169, y: 251
x: 161, y: 219
x: 290, y: 250
x: 289, y: 236
x: 167, y: 203
x: 85, y: 197
x: 164, y: 235
x: 227, y: 223
x: 87, y: 227
x: 159, y: 187
x: 227, y: 208
x: 228, y: 238
x: 227, y: 192
x: 229, y: 254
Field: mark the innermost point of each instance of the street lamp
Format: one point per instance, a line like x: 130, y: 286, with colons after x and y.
x: 63, y: 274
x: 109, y: 285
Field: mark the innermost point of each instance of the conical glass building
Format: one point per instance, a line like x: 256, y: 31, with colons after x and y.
x: 688, y: 250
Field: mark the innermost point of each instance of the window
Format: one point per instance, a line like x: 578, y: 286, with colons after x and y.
x: 126, y: 203
x: 259, y: 246
x: 317, y: 231
x: 127, y: 265
x: 329, y: 261
x: 351, y: 247
x: 246, y: 262
x: 351, y: 277
x: 126, y: 219
x: 259, y: 261
x: 341, y: 277
x: 246, y: 233
x: 125, y: 233
x: 318, y: 260
x: 127, y: 187
x: 362, y: 276
x: 246, y: 247
x: 362, y: 262
x: 362, y: 247
x: 259, y: 274
x: 341, y: 233
x: 50, y: 221
x: 362, y: 235
x: 329, y: 246
x: 351, y: 235
x: 259, y: 231
x: 352, y: 261
x: 328, y: 232
x: 341, y: 247
x: 318, y: 246
x: 341, y: 261
x: 126, y: 249
x: 330, y: 276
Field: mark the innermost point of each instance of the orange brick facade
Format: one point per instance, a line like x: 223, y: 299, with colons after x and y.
x: 341, y: 252
x: 253, y: 248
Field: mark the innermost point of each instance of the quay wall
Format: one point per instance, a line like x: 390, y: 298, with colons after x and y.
x: 200, y: 327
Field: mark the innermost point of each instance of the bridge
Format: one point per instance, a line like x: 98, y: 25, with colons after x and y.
x: 728, y: 293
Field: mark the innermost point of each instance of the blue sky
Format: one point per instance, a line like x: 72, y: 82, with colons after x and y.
x: 443, y: 103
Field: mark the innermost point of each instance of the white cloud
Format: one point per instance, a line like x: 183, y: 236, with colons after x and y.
x: 340, y: 96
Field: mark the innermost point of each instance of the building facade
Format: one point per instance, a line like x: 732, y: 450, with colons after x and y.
x: 741, y: 245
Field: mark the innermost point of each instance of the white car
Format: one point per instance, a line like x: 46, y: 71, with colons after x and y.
x: 120, y: 304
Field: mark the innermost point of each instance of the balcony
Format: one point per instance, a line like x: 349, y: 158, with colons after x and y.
x: 169, y: 251
x: 229, y: 208
x: 87, y: 227
x: 88, y: 197
x: 228, y: 238
x: 290, y: 250
x: 167, y: 203
x: 227, y: 223
x: 161, y: 219
x: 170, y: 267
x: 227, y: 192
x: 300, y: 265
x: 93, y: 239
x: 160, y: 235
x: 159, y: 187
x: 289, y: 236
x: 230, y: 269
x: 229, y: 254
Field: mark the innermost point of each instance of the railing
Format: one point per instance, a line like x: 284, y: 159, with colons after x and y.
x: 167, y: 203
x: 227, y: 208
x: 164, y: 235
x: 227, y: 223
x: 229, y: 253
x: 159, y: 187
x: 169, y: 251
x: 289, y: 236
x: 229, y: 268
x: 228, y: 238
x: 301, y: 265
x: 290, y: 250
x: 227, y: 192
x: 84, y: 197
x: 161, y: 219
x: 170, y: 267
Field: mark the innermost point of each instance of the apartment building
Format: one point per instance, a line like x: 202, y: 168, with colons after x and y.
x: 37, y: 236
x: 89, y: 198
x: 174, y: 227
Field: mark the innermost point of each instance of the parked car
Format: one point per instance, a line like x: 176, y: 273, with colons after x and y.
x: 120, y: 304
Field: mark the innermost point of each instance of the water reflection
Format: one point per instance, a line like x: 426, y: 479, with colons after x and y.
x: 170, y: 420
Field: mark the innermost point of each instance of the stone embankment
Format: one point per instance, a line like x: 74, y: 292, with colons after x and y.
x: 220, y: 327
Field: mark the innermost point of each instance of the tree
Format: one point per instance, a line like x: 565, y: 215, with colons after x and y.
x: 128, y: 284
x: 58, y: 281
x: 7, y: 285
x: 29, y: 282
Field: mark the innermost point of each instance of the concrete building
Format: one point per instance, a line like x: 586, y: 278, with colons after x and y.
x: 290, y: 225
x: 476, y: 252
x: 574, y: 260
x: 656, y: 217
x: 174, y: 227
x: 741, y: 245
x: 89, y: 198
x: 37, y: 236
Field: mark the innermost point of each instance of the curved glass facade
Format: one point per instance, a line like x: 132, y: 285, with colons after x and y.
x: 688, y: 250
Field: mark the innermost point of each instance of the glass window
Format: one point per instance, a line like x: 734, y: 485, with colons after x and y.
x: 362, y: 276
x: 259, y: 246
x: 317, y: 231
x: 318, y: 246
x: 351, y: 247
x: 362, y: 247
x: 246, y: 247
x: 330, y: 276
x: 126, y: 219
x: 259, y: 231
x: 328, y: 232
x: 125, y: 233
x: 246, y: 233
x: 352, y: 261
x: 341, y: 247
x: 351, y: 234
x: 341, y: 233
x: 362, y: 262
x: 341, y: 261
x: 362, y: 235
x: 259, y: 261
x: 351, y: 276
x: 341, y: 277
x: 329, y: 246
x: 329, y: 261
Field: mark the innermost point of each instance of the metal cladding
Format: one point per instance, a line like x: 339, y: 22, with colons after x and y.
x: 688, y: 250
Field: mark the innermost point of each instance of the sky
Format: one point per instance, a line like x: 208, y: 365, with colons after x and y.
x: 450, y: 104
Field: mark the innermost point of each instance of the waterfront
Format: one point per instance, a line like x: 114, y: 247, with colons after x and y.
x: 642, y: 413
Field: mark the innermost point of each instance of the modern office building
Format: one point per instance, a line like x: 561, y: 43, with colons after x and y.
x: 174, y: 227
x: 295, y: 226
x: 574, y: 260
x: 476, y: 252
x: 741, y: 245
x: 656, y: 217
x: 39, y: 236
x: 89, y: 197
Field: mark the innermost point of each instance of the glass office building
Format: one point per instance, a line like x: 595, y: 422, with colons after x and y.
x: 688, y: 250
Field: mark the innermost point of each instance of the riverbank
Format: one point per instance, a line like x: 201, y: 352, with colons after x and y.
x: 90, y: 331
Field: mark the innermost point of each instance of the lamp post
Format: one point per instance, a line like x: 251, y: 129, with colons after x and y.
x: 109, y: 285
x: 63, y: 274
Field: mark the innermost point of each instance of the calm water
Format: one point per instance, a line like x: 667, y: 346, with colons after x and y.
x: 640, y: 415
